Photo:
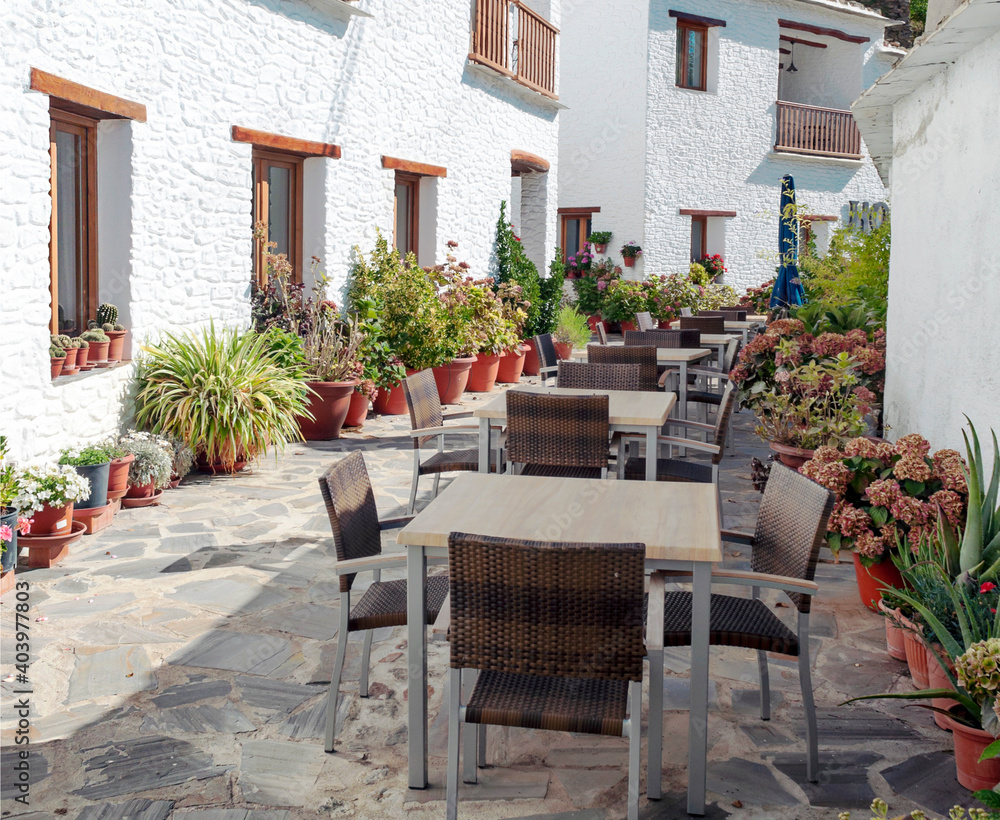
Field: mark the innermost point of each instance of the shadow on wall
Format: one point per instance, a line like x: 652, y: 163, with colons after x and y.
x: 312, y: 14
x: 831, y: 178
x: 482, y: 79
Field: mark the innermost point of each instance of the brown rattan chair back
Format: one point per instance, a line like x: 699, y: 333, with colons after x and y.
x: 706, y: 324
x: 540, y: 608
x: 724, y: 413
x: 791, y: 528
x: 733, y: 314
x: 557, y: 431
x: 424, y: 403
x: 644, y: 320
x: 350, y: 503
x: 547, y: 357
x: 602, y: 332
x: 664, y: 338
x: 644, y: 356
x: 587, y: 376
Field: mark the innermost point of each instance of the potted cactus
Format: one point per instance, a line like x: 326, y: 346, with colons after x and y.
x: 83, y: 362
x: 68, y: 345
x: 99, y: 342
x: 56, y: 358
x: 107, y: 318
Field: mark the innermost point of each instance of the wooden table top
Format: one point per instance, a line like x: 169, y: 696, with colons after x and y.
x: 718, y: 338
x: 756, y: 317
x: 733, y: 325
x: 642, y: 408
x: 675, y: 520
x: 666, y: 355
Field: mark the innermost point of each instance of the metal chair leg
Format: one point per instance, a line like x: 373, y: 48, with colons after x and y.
x: 437, y: 482
x: 366, y: 655
x: 470, y: 739
x: 338, y: 669
x: 454, y: 729
x: 654, y: 754
x: 481, y: 762
x: 765, y: 686
x: 634, y: 742
x: 805, y: 681
x: 413, y: 485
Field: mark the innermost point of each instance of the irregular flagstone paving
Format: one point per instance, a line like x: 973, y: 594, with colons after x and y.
x: 182, y: 667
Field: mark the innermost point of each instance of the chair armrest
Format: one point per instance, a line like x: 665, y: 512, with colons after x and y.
x: 465, y: 414
x: 697, y: 425
x: 708, y: 371
x: 439, y: 631
x: 760, y: 579
x: 738, y: 537
x: 654, y: 612
x: 386, y: 560
x: 689, y: 443
x: 452, y: 428
x: 392, y: 523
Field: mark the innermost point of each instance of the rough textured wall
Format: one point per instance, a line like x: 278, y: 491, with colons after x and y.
x: 396, y: 84
x: 713, y: 150
x: 944, y: 283
x: 894, y: 10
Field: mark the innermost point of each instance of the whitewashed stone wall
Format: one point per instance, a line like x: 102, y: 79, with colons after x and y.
x: 175, y: 192
x: 944, y: 285
x: 700, y: 150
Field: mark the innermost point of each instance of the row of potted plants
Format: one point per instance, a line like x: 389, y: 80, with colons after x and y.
x: 101, y: 345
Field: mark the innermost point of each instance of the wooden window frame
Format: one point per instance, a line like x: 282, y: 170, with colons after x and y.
x: 86, y: 129
x: 683, y: 27
x: 703, y: 221
x: 262, y: 160
x: 412, y: 182
x: 583, y: 217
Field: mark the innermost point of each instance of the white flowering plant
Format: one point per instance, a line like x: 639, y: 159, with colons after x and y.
x: 55, y: 485
x: 154, y: 456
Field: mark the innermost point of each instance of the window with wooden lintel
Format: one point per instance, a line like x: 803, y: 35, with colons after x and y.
x: 575, y: 228
x: 699, y: 237
x: 692, y: 64
x: 410, y: 177
x: 277, y: 204
x: 707, y: 231
x: 406, y: 213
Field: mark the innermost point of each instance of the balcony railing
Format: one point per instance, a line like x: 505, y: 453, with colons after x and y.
x: 823, y: 132
x: 517, y: 42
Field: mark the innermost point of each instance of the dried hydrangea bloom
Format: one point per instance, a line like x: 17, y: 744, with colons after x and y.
x: 912, y: 467
x: 869, y: 545
x: 866, y: 448
x: 884, y: 492
x: 978, y: 670
x: 834, y: 475
x: 951, y: 505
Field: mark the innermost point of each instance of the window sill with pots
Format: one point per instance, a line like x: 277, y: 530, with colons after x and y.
x: 85, y: 374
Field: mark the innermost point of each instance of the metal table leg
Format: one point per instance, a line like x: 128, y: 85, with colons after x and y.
x: 652, y: 452
x: 698, y: 716
x: 484, y: 445
x: 416, y: 648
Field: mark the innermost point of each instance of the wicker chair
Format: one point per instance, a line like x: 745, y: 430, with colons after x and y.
x: 548, y: 359
x: 706, y: 324
x: 686, y: 311
x: 732, y: 314
x: 350, y: 503
x: 564, y: 436
x: 664, y: 338
x: 427, y: 422
x: 602, y: 333
x: 644, y: 356
x: 587, y: 376
x: 644, y: 320
x: 555, y: 634
x: 791, y: 528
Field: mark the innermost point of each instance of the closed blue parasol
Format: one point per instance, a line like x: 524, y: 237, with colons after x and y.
x: 788, y: 289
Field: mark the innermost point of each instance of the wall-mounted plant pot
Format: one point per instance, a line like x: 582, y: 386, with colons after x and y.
x: 118, y: 476
x: 629, y: 261
x: 452, y: 379
x: 601, y: 247
x: 511, y: 365
x: 530, y: 358
x: 97, y: 475
x: 56, y: 366
x: 483, y: 373
x: 116, y: 345
x: 357, y: 412
x: 97, y: 354
x: 871, y: 580
x: 328, y: 405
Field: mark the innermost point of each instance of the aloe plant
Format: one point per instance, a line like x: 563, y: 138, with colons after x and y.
x: 979, y: 550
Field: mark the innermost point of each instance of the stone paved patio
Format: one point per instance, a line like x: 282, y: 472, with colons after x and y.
x: 182, y: 668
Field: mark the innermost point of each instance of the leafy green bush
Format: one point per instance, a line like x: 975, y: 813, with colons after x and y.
x: 571, y: 327
x: 550, y: 292
x: 513, y: 266
x: 856, y: 267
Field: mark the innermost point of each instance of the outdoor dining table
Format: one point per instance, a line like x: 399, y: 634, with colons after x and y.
x: 718, y: 342
x: 678, y: 523
x: 629, y: 411
x: 741, y: 327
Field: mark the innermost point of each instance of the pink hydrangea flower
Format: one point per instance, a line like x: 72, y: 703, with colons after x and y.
x: 6, y: 533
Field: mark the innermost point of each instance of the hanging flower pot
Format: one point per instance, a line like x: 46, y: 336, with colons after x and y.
x: 357, y: 411
x: 452, y: 379
x: 483, y: 373
x: 601, y: 247
x: 512, y: 365
x: 328, y: 405
x: 969, y: 746
x: 118, y: 476
x: 530, y: 358
x: 872, y: 579
x: 629, y: 261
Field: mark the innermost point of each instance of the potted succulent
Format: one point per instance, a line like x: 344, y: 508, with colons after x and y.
x: 630, y: 252
x: 93, y: 464
x: 56, y: 358
x: 69, y: 347
x: 121, y: 457
x: 99, y: 342
x: 83, y: 362
x: 47, y: 494
x: 181, y: 463
x: 107, y: 319
x: 572, y: 331
x: 600, y: 239
x: 151, y: 468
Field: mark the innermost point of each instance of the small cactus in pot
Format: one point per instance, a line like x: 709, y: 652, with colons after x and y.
x: 99, y: 342
x: 107, y: 314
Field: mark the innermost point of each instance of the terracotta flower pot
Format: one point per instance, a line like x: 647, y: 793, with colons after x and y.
x: 563, y: 350
x: 872, y: 579
x: 83, y: 360
x: 937, y: 679
x: 793, y: 457
x: 601, y: 247
x: 969, y: 746
x: 627, y: 326
x: 48, y: 550
x: 357, y: 412
x: 116, y: 345
x: 56, y: 366
x: 69, y: 363
x: 97, y: 354
x: 329, y: 405
x: 594, y: 321
x: 452, y: 379
x: 147, y: 490
x: 895, y: 635
x: 916, y: 659
x: 218, y: 468
x: 629, y: 261
x: 483, y: 373
x: 530, y: 358
x: 53, y: 520
x: 118, y: 476
x: 664, y: 324
x: 511, y: 365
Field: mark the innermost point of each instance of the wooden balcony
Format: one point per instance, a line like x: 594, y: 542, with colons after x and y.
x: 517, y: 42
x: 821, y: 132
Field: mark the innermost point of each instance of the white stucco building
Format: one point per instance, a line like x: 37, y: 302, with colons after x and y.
x: 682, y: 149
x: 173, y: 124
x: 931, y: 125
